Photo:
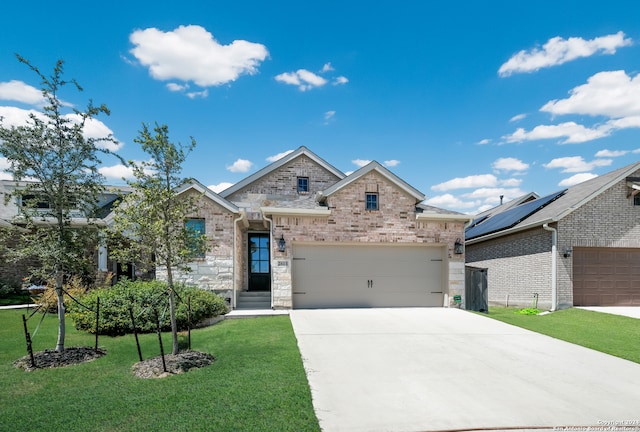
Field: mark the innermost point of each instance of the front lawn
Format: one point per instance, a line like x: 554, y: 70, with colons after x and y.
x: 257, y: 382
x: 611, y: 334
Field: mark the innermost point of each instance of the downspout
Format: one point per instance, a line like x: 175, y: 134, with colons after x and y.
x: 270, y: 249
x: 235, y: 258
x: 554, y: 265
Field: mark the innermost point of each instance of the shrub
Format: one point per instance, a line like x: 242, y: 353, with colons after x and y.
x: 528, y: 311
x: 48, y: 300
x: 144, y: 298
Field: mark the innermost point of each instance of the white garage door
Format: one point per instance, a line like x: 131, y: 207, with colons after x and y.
x: 326, y: 276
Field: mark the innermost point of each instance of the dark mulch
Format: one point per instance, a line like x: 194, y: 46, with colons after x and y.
x: 176, y: 364
x: 53, y: 359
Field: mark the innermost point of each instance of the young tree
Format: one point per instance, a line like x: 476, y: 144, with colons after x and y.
x: 55, y: 165
x: 153, y: 217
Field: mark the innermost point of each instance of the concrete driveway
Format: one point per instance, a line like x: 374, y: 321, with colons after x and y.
x: 428, y: 369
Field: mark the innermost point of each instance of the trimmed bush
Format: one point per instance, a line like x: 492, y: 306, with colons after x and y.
x: 145, y: 298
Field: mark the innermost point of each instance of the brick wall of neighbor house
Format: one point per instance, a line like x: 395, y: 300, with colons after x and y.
x: 519, y: 265
x: 214, y: 272
x: 609, y: 220
x: 394, y: 222
x: 282, y: 184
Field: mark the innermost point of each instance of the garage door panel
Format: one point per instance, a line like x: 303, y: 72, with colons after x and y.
x: 366, y: 276
x: 606, y: 277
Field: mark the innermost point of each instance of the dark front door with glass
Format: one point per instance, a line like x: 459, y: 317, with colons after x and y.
x: 259, y: 263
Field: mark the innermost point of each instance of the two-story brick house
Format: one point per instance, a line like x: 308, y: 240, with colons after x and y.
x: 576, y: 247
x: 300, y: 233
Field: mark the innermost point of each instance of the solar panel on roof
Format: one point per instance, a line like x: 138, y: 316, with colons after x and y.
x: 511, y: 217
x: 477, y: 221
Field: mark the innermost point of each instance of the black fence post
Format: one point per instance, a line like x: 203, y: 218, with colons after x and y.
x: 164, y: 364
x: 28, y: 338
x: 97, y: 321
x: 189, y: 323
x: 135, y: 332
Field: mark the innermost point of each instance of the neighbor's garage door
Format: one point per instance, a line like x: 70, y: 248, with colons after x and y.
x: 606, y: 277
x: 327, y: 276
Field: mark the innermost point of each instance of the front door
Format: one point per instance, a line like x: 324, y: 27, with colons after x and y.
x: 259, y: 263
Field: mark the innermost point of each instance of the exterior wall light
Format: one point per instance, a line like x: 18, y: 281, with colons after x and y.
x: 281, y: 243
x: 567, y: 252
x: 458, y: 247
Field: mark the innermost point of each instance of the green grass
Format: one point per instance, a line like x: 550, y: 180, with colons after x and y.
x: 257, y: 382
x: 611, y: 334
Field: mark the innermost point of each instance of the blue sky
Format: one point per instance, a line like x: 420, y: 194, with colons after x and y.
x: 465, y: 100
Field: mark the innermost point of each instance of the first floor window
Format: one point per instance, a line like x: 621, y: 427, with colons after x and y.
x: 195, y: 230
x: 372, y: 201
x: 636, y: 199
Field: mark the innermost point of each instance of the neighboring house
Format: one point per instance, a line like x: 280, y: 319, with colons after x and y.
x: 576, y: 247
x: 299, y: 233
x: 10, y: 216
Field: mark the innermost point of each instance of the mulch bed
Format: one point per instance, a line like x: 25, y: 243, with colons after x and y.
x: 53, y: 359
x: 151, y: 368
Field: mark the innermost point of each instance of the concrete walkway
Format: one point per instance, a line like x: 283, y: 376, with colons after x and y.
x: 429, y: 369
x: 628, y: 311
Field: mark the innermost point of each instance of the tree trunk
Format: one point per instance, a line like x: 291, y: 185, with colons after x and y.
x: 61, y: 311
x: 172, y: 311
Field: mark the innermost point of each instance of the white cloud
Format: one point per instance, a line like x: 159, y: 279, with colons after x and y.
x: 329, y: 116
x: 612, y: 94
x: 340, y: 80
x: 576, y: 164
x: 175, y: 87
x: 191, y: 54
x: 361, y: 162
x: 302, y: 78
x: 636, y: 151
x: 278, y: 156
x: 575, y: 179
x: 518, y: 117
x: 327, y: 67
x: 610, y: 153
x: 468, y: 182
x: 116, y: 172
x: 493, y: 194
x: 220, y: 186
x: 391, y: 163
x: 572, y: 133
x: 449, y: 201
x: 484, y: 141
x: 21, y: 92
x: 512, y: 182
x: 93, y: 128
x: 558, y: 51
x: 240, y: 166
x: 509, y: 164
x: 198, y: 94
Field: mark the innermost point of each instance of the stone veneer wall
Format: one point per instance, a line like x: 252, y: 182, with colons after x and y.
x: 518, y: 266
x: 394, y: 222
x: 214, y: 272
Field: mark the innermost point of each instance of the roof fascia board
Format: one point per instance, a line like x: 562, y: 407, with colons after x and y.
x: 194, y: 184
x: 444, y: 217
x: 510, y: 231
x: 278, y: 211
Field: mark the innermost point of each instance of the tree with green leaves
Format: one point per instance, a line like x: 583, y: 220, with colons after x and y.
x: 55, y: 166
x: 150, y: 222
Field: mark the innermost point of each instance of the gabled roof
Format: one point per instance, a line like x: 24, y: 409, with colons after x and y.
x: 199, y: 187
x: 571, y: 200
x: 279, y: 163
x: 373, y: 166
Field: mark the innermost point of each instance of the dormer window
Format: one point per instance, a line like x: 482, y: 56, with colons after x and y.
x: 371, y: 202
x: 303, y: 185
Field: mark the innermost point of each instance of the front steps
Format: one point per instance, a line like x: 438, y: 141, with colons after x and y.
x: 248, y: 300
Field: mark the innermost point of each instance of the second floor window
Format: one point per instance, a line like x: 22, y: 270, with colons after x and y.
x: 303, y: 184
x: 371, y: 201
